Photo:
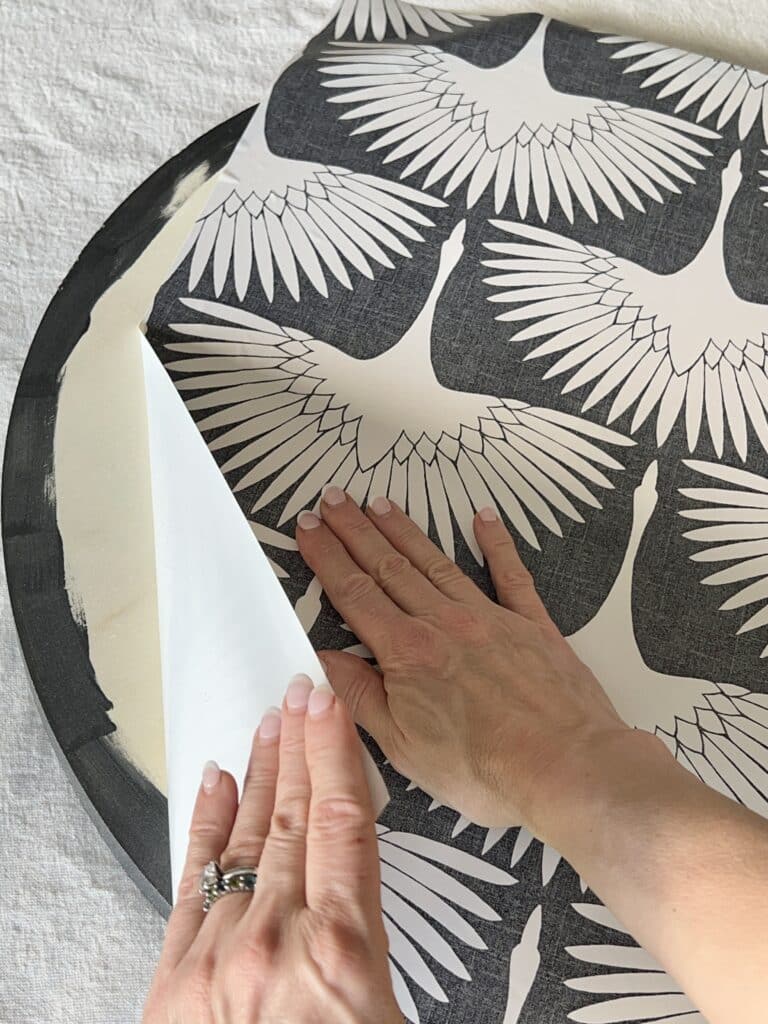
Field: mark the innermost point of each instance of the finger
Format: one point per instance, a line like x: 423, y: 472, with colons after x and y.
x: 212, y: 821
x: 370, y: 548
x: 513, y: 582
x: 257, y: 802
x: 342, y: 851
x: 373, y: 616
x: 281, y: 871
x: 406, y: 537
x: 361, y: 688
x: 249, y: 832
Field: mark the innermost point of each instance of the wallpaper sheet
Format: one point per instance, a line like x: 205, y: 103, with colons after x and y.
x: 465, y: 261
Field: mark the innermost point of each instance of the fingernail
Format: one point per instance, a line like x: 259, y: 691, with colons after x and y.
x: 308, y: 520
x: 379, y: 506
x: 269, y: 727
x: 211, y: 776
x: 320, y: 700
x: 488, y: 514
x: 333, y: 495
x: 297, y: 694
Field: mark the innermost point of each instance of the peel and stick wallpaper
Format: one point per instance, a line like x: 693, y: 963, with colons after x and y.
x: 465, y: 261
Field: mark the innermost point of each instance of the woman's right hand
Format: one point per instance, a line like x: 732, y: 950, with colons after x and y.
x: 488, y: 709
x: 483, y: 705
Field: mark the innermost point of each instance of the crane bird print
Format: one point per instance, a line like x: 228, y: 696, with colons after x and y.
x: 508, y: 125
x: 728, y: 89
x: 299, y: 408
x: 271, y: 216
x: 618, y: 327
x: 733, y: 512
x: 719, y: 731
x: 415, y: 891
x: 401, y: 17
x: 637, y: 989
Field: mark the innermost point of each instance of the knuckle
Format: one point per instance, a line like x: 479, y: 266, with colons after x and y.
x: 188, y: 894
x: 332, y: 816
x: 258, y: 791
x: 204, y: 830
x: 391, y: 565
x: 292, y: 747
x: 289, y: 818
x: 408, y: 532
x: 442, y: 572
x: 359, y: 523
x: 265, y: 939
x: 253, y: 958
x: 515, y: 578
x: 338, y: 942
x: 356, y: 587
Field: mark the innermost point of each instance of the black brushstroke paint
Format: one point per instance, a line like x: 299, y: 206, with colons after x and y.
x: 129, y: 812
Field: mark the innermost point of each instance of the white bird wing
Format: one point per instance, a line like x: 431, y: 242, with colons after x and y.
x: 602, y: 317
x: 274, y: 414
x: 416, y: 891
x: 719, y: 85
x: 638, y: 987
x: 734, y: 518
x: 317, y: 219
x: 401, y: 17
x: 285, y: 408
x: 435, y: 108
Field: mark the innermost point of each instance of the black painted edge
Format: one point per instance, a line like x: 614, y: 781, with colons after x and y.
x: 123, y: 805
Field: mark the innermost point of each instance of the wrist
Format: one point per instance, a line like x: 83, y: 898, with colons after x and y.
x: 594, y: 785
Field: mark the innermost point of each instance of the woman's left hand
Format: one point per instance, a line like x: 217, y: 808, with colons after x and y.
x: 308, y: 946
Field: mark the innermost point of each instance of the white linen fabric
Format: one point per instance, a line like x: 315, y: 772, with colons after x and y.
x: 95, y: 97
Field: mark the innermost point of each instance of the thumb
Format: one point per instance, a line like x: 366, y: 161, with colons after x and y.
x: 361, y: 688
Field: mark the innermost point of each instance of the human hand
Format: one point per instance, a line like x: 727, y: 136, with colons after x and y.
x: 309, y: 945
x: 481, y: 704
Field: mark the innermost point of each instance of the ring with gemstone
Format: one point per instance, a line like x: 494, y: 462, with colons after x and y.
x: 215, y: 883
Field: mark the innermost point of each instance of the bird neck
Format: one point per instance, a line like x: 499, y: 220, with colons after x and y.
x: 533, y: 51
x: 413, y: 352
x: 522, y: 75
x: 618, y: 603
x: 711, y: 256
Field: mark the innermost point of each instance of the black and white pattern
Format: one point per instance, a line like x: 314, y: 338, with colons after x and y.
x: 328, y: 322
x: 298, y: 407
x: 415, y: 892
x: 508, y: 125
x: 633, y: 988
x: 270, y: 217
x: 728, y: 90
x: 550, y: 858
x: 717, y: 730
x: 621, y: 328
x: 377, y: 16
x: 733, y: 510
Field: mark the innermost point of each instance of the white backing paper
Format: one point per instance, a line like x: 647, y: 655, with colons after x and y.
x: 229, y: 638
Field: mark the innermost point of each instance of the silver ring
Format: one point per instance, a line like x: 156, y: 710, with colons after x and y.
x: 215, y: 883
